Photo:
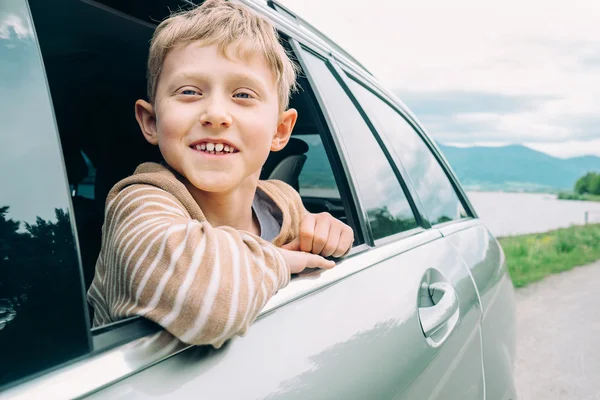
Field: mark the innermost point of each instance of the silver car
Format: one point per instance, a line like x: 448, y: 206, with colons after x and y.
x: 422, y: 308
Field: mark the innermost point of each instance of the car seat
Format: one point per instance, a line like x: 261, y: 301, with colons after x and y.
x: 286, y: 164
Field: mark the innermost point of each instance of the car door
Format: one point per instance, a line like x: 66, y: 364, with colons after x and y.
x: 448, y: 209
x: 455, y: 369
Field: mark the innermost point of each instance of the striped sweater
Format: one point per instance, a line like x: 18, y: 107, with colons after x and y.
x: 160, y: 259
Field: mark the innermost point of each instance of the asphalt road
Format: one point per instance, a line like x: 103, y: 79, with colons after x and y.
x: 558, y: 337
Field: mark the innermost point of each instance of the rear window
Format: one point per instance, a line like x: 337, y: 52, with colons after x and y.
x: 43, y: 321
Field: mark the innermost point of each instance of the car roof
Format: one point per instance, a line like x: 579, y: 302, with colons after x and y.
x: 290, y: 23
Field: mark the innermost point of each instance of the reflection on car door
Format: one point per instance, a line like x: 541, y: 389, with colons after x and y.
x: 483, y: 254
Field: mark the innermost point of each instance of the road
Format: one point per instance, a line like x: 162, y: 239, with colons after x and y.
x: 558, y: 337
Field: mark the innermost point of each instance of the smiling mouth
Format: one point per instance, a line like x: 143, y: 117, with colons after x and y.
x: 214, y: 148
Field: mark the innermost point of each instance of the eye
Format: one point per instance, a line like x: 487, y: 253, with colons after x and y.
x: 243, y: 95
x: 189, y: 92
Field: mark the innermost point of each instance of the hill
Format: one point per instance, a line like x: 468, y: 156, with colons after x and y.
x: 510, y: 168
x: 516, y: 167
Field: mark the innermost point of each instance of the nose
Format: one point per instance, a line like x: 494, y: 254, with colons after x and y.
x: 215, y: 115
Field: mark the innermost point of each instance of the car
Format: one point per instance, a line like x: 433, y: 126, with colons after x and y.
x: 421, y: 308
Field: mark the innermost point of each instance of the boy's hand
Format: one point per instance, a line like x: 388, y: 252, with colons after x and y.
x: 298, y: 260
x: 322, y: 234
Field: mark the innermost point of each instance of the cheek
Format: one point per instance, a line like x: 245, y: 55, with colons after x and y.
x: 261, y: 125
x: 259, y: 137
x: 174, y: 122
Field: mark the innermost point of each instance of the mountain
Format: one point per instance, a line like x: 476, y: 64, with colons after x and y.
x: 516, y: 166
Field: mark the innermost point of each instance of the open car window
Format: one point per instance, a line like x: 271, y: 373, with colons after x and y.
x: 95, y: 78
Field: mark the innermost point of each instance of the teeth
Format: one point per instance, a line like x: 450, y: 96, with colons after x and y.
x: 214, y: 148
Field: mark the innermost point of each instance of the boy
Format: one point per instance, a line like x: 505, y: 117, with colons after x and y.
x: 199, y: 244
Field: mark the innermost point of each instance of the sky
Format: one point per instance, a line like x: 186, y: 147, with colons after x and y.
x: 480, y: 72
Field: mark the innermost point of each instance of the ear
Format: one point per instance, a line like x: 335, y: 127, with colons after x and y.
x: 146, y: 118
x: 286, y: 123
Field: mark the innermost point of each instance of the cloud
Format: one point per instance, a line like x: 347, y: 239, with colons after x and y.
x: 568, y: 149
x: 14, y: 25
x: 476, y: 116
x: 452, y: 102
x: 508, y: 71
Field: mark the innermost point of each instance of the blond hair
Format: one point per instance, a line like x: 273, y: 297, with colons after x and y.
x: 230, y: 27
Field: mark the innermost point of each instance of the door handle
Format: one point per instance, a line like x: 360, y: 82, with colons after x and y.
x: 444, y: 307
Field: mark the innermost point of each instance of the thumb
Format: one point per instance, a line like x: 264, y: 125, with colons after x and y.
x: 316, y: 261
x: 294, y: 245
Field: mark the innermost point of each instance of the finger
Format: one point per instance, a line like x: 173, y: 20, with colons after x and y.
x: 333, y: 239
x: 316, y: 261
x: 294, y: 260
x: 345, y: 243
x: 321, y: 235
x: 307, y: 230
x: 294, y: 245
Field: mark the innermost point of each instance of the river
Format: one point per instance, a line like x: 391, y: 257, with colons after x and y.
x: 520, y: 213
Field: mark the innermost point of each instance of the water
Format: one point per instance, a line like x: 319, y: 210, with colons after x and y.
x: 520, y: 213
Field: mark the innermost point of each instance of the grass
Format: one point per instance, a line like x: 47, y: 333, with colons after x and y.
x: 532, y: 257
x: 575, y: 196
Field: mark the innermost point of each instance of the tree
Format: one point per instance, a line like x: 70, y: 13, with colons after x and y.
x: 384, y: 223
x: 590, y: 183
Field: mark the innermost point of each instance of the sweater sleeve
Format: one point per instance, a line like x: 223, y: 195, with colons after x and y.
x: 202, y: 284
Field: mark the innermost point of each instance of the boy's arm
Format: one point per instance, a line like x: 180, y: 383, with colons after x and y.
x: 203, y: 284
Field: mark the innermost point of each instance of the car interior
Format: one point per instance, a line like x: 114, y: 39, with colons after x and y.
x: 95, y: 76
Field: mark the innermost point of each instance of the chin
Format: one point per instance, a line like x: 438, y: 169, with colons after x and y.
x: 214, y: 185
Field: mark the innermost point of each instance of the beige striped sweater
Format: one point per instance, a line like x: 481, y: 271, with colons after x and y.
x: 162, y: 260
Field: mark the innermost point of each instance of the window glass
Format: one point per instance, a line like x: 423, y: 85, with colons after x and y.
x: 316, y: 178
x: 387, y: 208
x: 429, y: 179
x: 42, y: 309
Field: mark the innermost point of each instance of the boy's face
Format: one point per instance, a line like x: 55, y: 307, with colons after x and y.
x: 215, y: 119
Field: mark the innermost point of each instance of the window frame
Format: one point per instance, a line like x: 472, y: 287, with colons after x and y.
x: 334, y: 146
x: 398, y: 160
x: 397, y: 105
x: 337, y: 73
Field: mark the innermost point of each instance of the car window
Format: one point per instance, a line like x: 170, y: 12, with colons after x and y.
x: 42, y: 308
x: 433, y: 187
x: 99, y: 150
x: 316, y: 178
x: 383, y: 198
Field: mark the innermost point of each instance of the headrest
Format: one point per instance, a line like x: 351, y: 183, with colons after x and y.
x: 294, y: 147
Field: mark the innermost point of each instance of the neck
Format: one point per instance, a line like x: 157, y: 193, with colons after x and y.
x: 232, y: 208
